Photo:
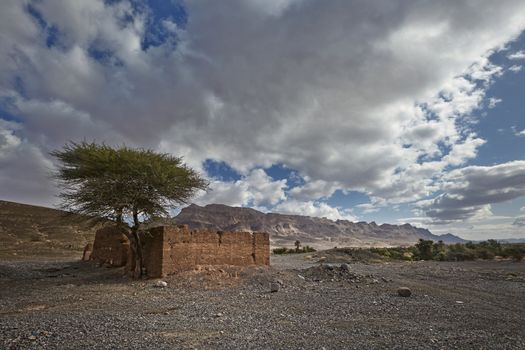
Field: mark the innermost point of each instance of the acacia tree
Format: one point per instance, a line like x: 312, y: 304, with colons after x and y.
x: 125, y: 185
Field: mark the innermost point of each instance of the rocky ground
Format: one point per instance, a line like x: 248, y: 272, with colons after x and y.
x: 69, y: 304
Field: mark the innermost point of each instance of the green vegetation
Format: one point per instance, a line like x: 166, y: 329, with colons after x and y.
x: 123, y: 184
x: 296, y: 250
x: 430, y: 250
x: 426, y: 250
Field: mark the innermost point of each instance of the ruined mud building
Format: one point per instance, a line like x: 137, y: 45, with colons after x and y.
x: 169, y: 249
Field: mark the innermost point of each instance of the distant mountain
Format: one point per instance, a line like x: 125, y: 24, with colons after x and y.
x: 320, y: 232
x: 33, y: 231
x: 512, y: 240
x: 449, y: 238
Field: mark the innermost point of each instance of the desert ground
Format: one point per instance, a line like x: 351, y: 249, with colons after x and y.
x: 70, y: 304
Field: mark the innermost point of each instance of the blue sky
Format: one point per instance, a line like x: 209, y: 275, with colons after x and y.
x: 398, y: 111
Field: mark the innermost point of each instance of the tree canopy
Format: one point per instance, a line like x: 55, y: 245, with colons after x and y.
x: 123, y: 183
x: 99, y: 180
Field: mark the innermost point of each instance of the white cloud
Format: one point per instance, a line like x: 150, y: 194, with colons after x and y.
x: 357, y: 96
x: 272, y: 7
x: 311, y: 208
x: 8, y: 140
x: 520, y: 133
x: 368, y: 208
x: 519, y: 221
x: 515, y: 68
x: 492, y: 227
x: 255, y: 189
x: 493, y: 101
x: 25, y: 172
x: 313, y: 190
x: 518, y: 55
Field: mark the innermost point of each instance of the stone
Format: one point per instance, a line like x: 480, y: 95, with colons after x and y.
x: 86, y: 255
x: 274, y: 287
x: 404, y: 292
x: 345, y: 267
x: 161, y: 284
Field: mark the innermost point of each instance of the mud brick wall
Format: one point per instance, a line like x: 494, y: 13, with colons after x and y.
x: 111, y: 246
x: 169, y: 249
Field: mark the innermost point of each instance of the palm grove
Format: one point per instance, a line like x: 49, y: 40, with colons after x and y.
x: 125, y: 185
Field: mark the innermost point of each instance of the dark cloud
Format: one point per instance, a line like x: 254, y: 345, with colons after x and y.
x: 470, y: 191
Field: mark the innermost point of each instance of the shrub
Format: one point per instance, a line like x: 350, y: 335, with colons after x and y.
x: 281, y: 250
x: 424, y: 249
x: 514, y: 251
x: 284, y: 250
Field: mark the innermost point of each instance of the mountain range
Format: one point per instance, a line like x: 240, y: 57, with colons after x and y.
x: 28, y: 230
x: 319, y: 232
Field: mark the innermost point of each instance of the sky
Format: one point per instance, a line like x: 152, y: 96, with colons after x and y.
x: 393, y: 111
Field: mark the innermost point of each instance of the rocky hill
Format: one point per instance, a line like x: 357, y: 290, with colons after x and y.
x: 319, y: 232
x: 33, y: 231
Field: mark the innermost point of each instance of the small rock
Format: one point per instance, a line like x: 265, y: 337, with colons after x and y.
x: 404, y: 292
x: 374, y: 281
x: 301, y: 277
x: 88, y: 249
x: 384, y: 279
x: 345, y: 267
x: 161, y: 284
x: 219, y: 314
x: 274, y: 287
x: 459, y: 302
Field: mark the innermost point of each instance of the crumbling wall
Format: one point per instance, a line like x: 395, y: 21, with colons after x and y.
x: 169, y: 249
x: 111, y: 246
x: 176, y: 248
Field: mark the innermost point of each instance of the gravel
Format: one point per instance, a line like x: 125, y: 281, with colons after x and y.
x: 72, y: 304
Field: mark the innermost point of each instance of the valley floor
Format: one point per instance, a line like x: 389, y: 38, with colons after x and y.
x: 68, y: 304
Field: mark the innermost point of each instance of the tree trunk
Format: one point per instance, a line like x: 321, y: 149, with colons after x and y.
x: 138, y: 246
x: 119, y: 216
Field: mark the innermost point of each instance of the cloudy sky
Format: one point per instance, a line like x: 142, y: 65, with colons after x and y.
x: 387, y: 110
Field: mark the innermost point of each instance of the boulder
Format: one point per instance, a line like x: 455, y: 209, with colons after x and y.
x: 274, y: 287
x: 404, y: 292
x: 161, y: 284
